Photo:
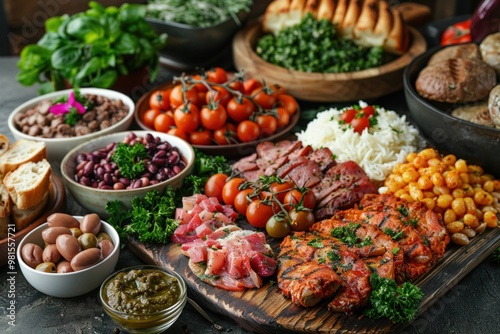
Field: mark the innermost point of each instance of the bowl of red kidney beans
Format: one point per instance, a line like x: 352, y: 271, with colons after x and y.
x: 125, y: 165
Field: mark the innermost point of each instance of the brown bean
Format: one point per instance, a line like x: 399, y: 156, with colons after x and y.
x: 32, y: 254
x: 62, y: 219
x: 86, y: 259
x: 460, y: 239
x: 64, y: 267
x: 51, y: 254
x: 91, y: 223
x: 68, y: 246
x: 106, y: 247
x: 49, y: 235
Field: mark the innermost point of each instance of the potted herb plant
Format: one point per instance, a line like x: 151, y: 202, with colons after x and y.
x: 91, y: 49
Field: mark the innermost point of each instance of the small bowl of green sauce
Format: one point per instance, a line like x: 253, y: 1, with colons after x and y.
x: 144, y: 299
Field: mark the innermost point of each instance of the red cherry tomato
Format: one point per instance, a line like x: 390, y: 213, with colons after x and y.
x: 279, y: 189
x: 178, y: 133
x: 283, y: 117
x: 230, y: 190
x: 177, y: 96
x: 266, y: 101
x: 200, y: 137
x: 258, y: 213
x: 225, y: 135
x: 359, y: 124
x: 217, y: 75
x: 148, y: 118
x: 241, y: 201
x: 288, y: 102
x: 160, y: 99
x: 187, y: 117
x: 248, y: 131
x: 250, y: 85
x: 218, y: 93
x: 240, y: 110
x: 268, y: 124
x: 163, y: 122
x: 213, y: 116
x: 295, y: 197
x: 348, y: 115
x: 214, y: 185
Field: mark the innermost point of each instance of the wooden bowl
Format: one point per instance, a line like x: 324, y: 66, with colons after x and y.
x: 229, y: 151
x: 324, y: 87
x: 54, y: 204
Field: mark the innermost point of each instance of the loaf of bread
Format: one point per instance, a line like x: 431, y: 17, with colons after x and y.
x: 21, y: 152
x: 4, y: 144
x: 28, y: 184
x: 367, y: 22
x: 456, y: 80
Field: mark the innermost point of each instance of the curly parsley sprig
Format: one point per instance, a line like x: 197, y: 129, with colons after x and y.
x: 129, y: 159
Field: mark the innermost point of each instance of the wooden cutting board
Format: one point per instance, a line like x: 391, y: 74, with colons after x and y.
x: 266, y: 311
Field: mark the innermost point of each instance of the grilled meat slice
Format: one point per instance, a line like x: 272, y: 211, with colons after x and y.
x: 318, y: 266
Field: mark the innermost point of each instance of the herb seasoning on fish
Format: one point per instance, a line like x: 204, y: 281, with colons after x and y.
x: 142, y: 291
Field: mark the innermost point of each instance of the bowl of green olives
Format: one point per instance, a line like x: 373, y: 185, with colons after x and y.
x: 69, y: 256
x: 144, y: 298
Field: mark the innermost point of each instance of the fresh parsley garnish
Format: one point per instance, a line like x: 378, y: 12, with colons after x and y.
x: 388, y: 300
x: 129, y: 159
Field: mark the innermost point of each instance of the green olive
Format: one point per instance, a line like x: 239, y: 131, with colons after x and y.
x: 103, y: 236
x: 76, y: 232
x: 48, y: 267
x: 87, y: 240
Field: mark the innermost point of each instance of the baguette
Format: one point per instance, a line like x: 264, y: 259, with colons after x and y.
x: 4, y: 144
x: 367, y: 22
x: 5, y: 202
x: 21, y: 152
x: 23, y: 218
x: 28, y: 183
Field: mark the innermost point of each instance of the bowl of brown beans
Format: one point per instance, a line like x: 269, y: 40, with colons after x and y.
x: 66, y: 118
x: 125, y: 165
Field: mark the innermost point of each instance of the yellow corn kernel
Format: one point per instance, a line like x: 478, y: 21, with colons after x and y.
x: 428, y: 153
x: 429, y: 194
x: 465, y: 178
x: 470, y: 205
x: 411, y: 156
x: 449, y: 159
x: 474, y: 179
x: 444, y: 201
x: 491, y: 219
x: 455, y: 227
x: 470, y: 220
x: 452, y: 179
x: 400, y: 192
x: 449, y: 216
x: 440, y: 190
x: 478, y: 170
x: 458, y: 205
x: 424, y: 182
x: 419, y: 162
x: 429, y: 202
x: 406, y: 197
x: 415, y: 192
x: 461, y: 166
x: 469, y: 190
x: 437, y: 179
x: 458, y: 193
x: 496, y: 184
x: 481, y: 197
x: 489, y: 186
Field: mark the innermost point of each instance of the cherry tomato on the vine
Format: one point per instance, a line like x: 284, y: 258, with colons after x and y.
x: 200, y: 137
x: 258, y: 213
x: 160, y: 99
x: 266, y: 101
x: 283, y: 117
x: 236, y: 85
x: 226, y: 134
x: 148, y: 118
x: 187, y: 117
x: 250, y: 85
x: 163, y: 122
x: 241, y: 201
x: 288, y: 102
x: 216, y: 75
x: 177, y: 96
x: 175, y: 131
x: 200, y: 87
x: 214, y: 185
x: 240, y: 110
x: 218, y: 93
x: 295, y: 197
x: 213, y: 116
x: 279, y: 189
x: 268, y: 124
x: 301, y: 220
x: 230, y: 190
x: 277, y: 226
x: 248, y: 131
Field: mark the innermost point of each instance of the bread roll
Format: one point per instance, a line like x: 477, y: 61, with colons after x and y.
x: 456, y: 80
x: 490, y: 51
x: 21, y: 152
x: 28, y: 183
x: 367, y: 22
x: 467, y: 51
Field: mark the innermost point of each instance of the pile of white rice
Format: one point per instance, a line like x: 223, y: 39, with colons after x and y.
x: 377, y: 151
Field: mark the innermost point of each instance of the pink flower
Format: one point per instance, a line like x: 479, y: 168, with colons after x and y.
x: 64, y: 108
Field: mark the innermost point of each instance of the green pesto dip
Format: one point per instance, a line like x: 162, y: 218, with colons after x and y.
x: 142, y: 291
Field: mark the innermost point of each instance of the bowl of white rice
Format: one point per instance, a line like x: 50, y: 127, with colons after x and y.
x: 377, y: 149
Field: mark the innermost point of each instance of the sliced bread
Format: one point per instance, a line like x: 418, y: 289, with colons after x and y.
x: 4, y: 144
x: 23, y: 218
x: 5, y: 202
x: 21, y: 152
x: 28, y: 184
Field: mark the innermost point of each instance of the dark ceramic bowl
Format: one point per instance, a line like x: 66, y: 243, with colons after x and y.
x: 187, y: 44
x: 477, y: 144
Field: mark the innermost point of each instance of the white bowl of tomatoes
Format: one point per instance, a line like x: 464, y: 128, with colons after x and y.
x: 219, y: 112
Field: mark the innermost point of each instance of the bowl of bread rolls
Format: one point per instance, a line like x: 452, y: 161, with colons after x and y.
x: 29, y: 192
x: 372, y: 27
x: 66, y: 118
x: 453, y: 94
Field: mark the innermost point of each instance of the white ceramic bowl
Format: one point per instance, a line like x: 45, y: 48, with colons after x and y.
x: 58, y: 147
x: 69, y: 284
x: 95, y: 200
